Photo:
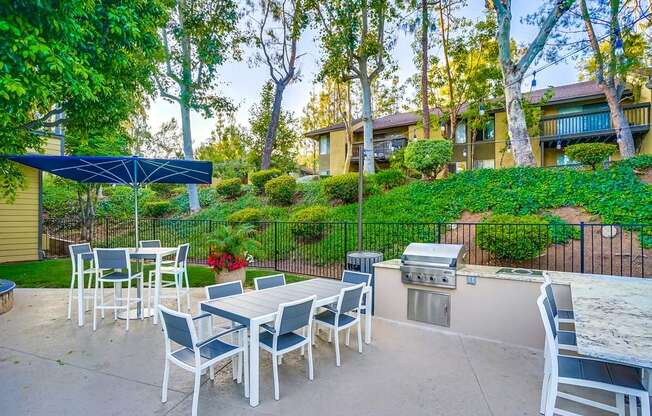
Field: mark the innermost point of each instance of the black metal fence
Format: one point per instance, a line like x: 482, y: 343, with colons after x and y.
x: 319, y: 249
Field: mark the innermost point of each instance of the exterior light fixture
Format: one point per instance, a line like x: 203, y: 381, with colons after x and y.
x: 534, y: 80
x: 481, y: 110
x: 464, y: 152
x: 509, y: 147
x: 619, y: 51
x: 558, y: 144
x: 443, y: 126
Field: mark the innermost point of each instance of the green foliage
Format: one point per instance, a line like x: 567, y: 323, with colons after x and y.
x: 560, y: 231
x: 248, y: 215
x: 397, y: 159
x: 229, y: 188
x: 207, y: 198
x: 92, y: 60
x: 342, y: 188
x: 260, y: 178
x: 428, y: 157
x: 236, y: 240
x: 157, y: 209
x: 59, y: 197
x: 308, y: 222
x: 590, y: 154
x: 281, y: 190
x: 534, y: 111
x: 119, y: 202
x: 498, y: 237
x: 389, y: 178
x: 640, y: 162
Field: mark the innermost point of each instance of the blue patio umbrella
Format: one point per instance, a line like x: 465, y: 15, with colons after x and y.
x: 121, y: 170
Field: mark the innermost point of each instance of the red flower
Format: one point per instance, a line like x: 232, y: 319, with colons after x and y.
x: 225, y: 261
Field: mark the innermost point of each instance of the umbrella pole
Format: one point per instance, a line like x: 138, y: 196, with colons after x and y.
x: 136, y: 211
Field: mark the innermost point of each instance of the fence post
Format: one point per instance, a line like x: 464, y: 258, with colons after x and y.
x: 275, y: 245
x: 106, y: 231
x: 346, y: 240
x: 581, y: 246
x: 438, y: 232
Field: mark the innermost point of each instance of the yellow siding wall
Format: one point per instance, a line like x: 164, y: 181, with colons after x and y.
x: 646, y: 144
x: 435, y: 132
x: 337, y: 156
x: 19, y: 221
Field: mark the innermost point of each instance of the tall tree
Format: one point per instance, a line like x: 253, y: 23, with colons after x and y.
x: 199, y: 37
x: 514, y: 69
x: 609, y: 64
x: 356, y: 40
x: 74, y: 64
x: 276, y: 34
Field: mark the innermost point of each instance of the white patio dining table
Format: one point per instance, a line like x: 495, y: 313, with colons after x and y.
x: 254, y: 308
x: 135, y: 253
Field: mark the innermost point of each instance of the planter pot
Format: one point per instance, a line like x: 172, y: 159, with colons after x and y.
x: 224, y: 277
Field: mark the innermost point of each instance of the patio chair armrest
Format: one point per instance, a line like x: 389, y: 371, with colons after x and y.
x: 330, y: 308
x: 268, y: 328
x: 221, y: 334
x: 203, y: 315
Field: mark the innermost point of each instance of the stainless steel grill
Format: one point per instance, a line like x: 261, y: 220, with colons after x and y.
x: 432, y: 264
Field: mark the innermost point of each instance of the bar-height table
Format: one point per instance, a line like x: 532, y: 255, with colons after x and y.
x: 613, y: 320
x: 141, y: 253
x: 258, y: 307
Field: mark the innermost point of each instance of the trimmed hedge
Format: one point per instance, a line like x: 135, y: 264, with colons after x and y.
x: 428, y: 157
x: 389, y: 178
x: 522, y: 242
x: 157, y: 209
x: 342, y: 187
x: 308, y: 222
x: 260, y: 178
x: 590, y: 154
x: 228, y: 187
x: 248, y: 215
x: 281, y: 190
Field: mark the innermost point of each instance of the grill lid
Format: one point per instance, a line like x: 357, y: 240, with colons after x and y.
x: 447, y: 255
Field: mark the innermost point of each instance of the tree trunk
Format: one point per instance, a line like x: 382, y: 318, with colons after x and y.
x: 193, y: 196
x: 348, y: 126
x: 449, y: 75
x: 367, y: 121
x: 266, y: 161
x: 425, y: 107
x: 518, y: 135
x: 620, y: 123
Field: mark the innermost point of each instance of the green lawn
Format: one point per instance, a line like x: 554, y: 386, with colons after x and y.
x: 56, y: 273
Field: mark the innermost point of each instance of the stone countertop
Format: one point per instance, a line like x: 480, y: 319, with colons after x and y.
x: 613, y: 319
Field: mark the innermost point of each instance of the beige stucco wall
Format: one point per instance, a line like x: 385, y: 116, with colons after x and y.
x: 646, y: 144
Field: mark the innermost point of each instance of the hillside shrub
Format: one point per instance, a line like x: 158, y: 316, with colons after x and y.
x: 523, y: 242
x: 157, y: 209
x: 260, y: 178
x: 308, y: 222
x: 281, y: 190
x: 248, y: 215
x: 590, y: 154
x: 342, y: 188
x: 389, y: 178
x: 428, y: 157
x: 397, y: 159
x: 229, y: 188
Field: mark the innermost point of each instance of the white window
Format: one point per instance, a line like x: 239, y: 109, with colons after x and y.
x: 460, y: 133
x: 324, y: 145
x: 484, y: 164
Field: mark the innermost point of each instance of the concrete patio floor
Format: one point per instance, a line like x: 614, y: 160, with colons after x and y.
x: 48, y: 365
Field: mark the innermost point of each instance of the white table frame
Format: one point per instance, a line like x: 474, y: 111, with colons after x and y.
x: 252, y: 390
x: 141, y: 253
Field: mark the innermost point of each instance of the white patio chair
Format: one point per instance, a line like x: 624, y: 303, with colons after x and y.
x: 194, y: 355
x: 118, y: 260
x: 179, y: 271
x: 338, y: 319
x: 75, y: 250
x: 580, y: 371
x: 350, y: 276
x: 282, y: 338
x: 153, y: 244
x: 567, y: 340
x: 267, y: 282
x: 563, y: 316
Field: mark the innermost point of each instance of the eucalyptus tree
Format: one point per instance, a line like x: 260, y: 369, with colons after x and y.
x: 78, y: 65
x: 515, y: 64
x: 356, y: 36
x: 199, y: 37
x: 276, y: 30
x: 616, y: 52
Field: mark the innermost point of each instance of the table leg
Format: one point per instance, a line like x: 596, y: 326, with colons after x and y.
x: 245, y: 369
x: 157, y: 287
x: 254, y: 350
x: 80, y: 290
x: 367, y: 316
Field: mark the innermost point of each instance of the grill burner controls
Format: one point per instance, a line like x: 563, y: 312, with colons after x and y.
x: 431, y: 264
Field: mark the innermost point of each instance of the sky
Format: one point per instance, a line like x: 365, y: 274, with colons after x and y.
x: 243, y: 83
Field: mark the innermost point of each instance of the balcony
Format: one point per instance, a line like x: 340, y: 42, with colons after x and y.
x: 382, y: 149
x: 593, y: 124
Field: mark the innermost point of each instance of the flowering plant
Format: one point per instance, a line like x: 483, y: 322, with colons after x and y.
x: 231, y: 248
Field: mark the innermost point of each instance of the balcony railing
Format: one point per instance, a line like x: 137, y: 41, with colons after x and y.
x: 382, y: 150
x: 593, y: 123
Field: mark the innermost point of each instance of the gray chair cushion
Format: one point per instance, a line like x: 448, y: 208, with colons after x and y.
x: 284, y: 341
x: 566, y: 338
x: 209, y: 351
x: 600, y: 372
x: 565, y: 314
x: 329, y: 318
x: 116, y: 276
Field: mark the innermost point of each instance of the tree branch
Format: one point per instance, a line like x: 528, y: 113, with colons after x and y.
x: 163, y: 91
x: 593, y: 41
x: 42, y: 121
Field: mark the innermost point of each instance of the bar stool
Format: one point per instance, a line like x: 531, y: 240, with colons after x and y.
x: 85, y: 250
x: 178, y: 269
